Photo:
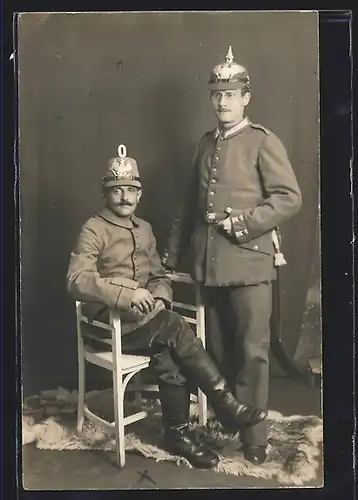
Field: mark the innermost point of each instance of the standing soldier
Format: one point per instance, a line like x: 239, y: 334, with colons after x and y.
x: 241, y: 188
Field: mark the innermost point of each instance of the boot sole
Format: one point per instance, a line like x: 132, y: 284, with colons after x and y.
x: 196, y: 465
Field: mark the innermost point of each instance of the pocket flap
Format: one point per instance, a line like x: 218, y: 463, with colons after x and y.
x: 262, y: 244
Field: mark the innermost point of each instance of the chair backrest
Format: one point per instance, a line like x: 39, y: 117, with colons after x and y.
x: 115, y: 322
x: 197, y: 311
x: 114, y: 328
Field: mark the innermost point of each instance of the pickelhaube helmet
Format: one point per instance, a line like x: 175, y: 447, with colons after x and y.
x: 229, y: 75
x: 122, y: 171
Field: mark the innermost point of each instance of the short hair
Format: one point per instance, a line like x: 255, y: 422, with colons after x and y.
x: 245, y: 89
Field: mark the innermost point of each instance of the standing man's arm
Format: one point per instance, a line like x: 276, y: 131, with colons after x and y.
x: 283, y: 197
x: 183, y: 224
x: 159, y: 285
x: 84, y: 282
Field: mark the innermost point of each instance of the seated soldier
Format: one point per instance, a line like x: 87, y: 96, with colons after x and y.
x: 115, y: 265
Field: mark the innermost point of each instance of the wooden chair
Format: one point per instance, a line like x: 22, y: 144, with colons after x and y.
x: 124, y: 367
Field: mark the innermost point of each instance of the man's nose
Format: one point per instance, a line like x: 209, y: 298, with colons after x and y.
x: 122, y: 197
x: 222, y: 101
x: 126, y: 198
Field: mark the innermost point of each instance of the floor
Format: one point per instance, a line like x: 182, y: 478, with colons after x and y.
x: 68, y: 470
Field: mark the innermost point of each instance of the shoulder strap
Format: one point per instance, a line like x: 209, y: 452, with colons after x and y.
x: 261, y: 127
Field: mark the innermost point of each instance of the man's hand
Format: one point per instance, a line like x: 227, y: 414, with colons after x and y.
x: 160, y: 304
x: 167, y: 268
x: 144, y: 300
x: 226, y: 225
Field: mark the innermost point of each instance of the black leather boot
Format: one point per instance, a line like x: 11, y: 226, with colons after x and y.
x: 232, y: 414
x: 256, y: 454
x: 175, y: 401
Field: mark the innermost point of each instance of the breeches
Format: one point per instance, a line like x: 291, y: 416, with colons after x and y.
x: 167, y: 339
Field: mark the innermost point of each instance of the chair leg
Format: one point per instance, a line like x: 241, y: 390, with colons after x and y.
x: 203, y: 408
x: 118, y: 398
x: 81, y: 390
x: 200, y: 322
x: 137, y: 391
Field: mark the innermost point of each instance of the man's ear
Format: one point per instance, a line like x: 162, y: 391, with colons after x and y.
x: 246, y: 98
x: 139, y: 194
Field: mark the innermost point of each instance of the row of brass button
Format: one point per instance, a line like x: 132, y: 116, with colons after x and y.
x: 210, y: 216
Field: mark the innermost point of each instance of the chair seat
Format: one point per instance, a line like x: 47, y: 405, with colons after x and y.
x: 129, y: 362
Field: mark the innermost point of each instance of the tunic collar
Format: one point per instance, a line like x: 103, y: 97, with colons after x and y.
x: 108, y: 215
x: 234, y: 130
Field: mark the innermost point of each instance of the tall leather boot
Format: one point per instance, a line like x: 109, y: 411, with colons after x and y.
x: 175, y: 401
x: 233, y: 415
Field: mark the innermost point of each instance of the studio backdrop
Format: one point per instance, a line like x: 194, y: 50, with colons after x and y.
x: 88, y: 82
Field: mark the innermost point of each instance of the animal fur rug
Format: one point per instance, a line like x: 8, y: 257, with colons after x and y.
x: 48, y: 420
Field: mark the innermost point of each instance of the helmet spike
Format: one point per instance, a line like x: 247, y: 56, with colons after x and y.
x: 229, y: 56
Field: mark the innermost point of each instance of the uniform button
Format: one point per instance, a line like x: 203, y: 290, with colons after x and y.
x: 215, y: 169
x: 245, y: 231
x: 211, y: 205
x: 212, y: 193
x: 213, y: 181
x: 255, y: 247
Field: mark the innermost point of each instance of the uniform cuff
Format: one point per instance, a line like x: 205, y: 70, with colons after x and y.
x: 125, y: 282
x: 124, y: 298
x: 240, y: 229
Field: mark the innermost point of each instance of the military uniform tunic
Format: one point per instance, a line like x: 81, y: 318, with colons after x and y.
x: 112, y: 257
x: 247, y: 170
